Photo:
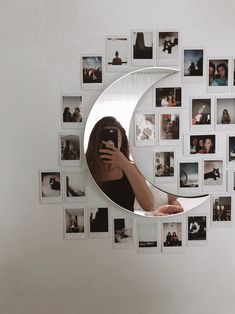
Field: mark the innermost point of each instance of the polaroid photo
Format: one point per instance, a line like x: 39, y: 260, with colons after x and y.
x: 74, y: 185
x: 189, y: 177
x: 74, y: 222
x: 192, y: 65
x: 233, y: 74
x: 145, y: 129
x: 221, y: 208
x: 172, y: 235
x: 98, y: 222
x: 231, y: 181
x: 218, y: 78
x: 201, y: 114
x: 72, y: 111
x: 122, y: 233
x: 214, y: 175
x: 225, y: 114
x: 167, y: 97
x: 143, y: 47
x: 50, y: 186
x: 148, y: 237
x: 70, y: 148
x: 230, y: 151
x: 169, y: 128
x: 164, y: 163
x: 200, y: 144
x: 197, y: 226
x: 167, y: 47
x: 92, y: 71
x: 117, y: 53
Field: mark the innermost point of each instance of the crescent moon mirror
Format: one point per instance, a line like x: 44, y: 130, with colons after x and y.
x: 122, y: 162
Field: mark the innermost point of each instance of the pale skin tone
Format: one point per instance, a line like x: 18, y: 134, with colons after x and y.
x: 115, y: 164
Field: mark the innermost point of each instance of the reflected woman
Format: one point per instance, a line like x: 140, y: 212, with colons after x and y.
x: 112, y: 169
x: 225, y: 119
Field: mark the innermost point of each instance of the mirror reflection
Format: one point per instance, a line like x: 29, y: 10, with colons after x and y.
x: 108, y: 152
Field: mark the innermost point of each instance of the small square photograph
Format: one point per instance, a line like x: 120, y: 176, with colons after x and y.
x: 189, y: 177
x: 92, y: 71
x: 233, y: 76
x: 222, y: 209
x: 231, y: 181
x: 50, y: 187
x: 218, y: 79
x: 74, y: 186
x: 225, y: 113
x: 98, y: 222
x: 197, y: 230
x: 74, y: 223
x: 214, y: 176
x: 168, y: 48
x: 202, y: 144
x: 123, y: 233
x: 172, y: 237
x: 231, y: 151
x: 148, y: 237
x: 117, y: 53
x: 71, y: 111
x: 169, y: 125
x: 70, y: 145
x: 143, y: 47
x: 193, y: 65
x: 201, y: 114
x: 164, y: 165
x: 145, y: 124
x: 167, y: 97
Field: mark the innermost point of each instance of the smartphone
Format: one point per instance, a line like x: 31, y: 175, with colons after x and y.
x: 109, y: 135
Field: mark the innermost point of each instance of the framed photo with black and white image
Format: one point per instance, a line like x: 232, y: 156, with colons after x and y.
x: 70, y: 147
x: 92, y: 71
x: 214, y: 175
x: 164, y: 163
x: 225, y: 113
x: 167, y: 97
x: 192, y: 65
x: 74, y: 185
x: 231, y: 181
x: 173, y: 235
x: 72, y: 111
x: 74, y: 222
x: 197, y: 228
x: 169, y: 122
x: 50, y: 186
x: 221, y: 209
x: 143, y: 50
x: 218, y: 74
x: 167, y: 47
x: 117, y: 53
x: 122, y: 233
x: 201, y: 114
x: 148, y: 236
x: 98, y: 221
x: 200, y: 144
x: 189, y: 177
x: 145, y: 128
x: 230, y: 150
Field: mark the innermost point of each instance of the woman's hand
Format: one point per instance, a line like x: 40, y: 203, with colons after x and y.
x: 111, y: 155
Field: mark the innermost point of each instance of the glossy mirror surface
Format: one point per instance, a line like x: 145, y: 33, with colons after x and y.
x: 119, y: 100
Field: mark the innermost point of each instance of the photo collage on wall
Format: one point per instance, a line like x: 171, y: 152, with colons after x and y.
x: 202, y: 167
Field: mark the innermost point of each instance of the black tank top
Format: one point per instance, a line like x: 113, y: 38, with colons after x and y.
x: 120, y: 192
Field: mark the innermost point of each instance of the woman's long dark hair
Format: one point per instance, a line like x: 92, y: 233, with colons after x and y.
x: 94, y: 162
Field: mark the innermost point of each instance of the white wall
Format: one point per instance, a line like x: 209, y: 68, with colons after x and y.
x: 40, y: 272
